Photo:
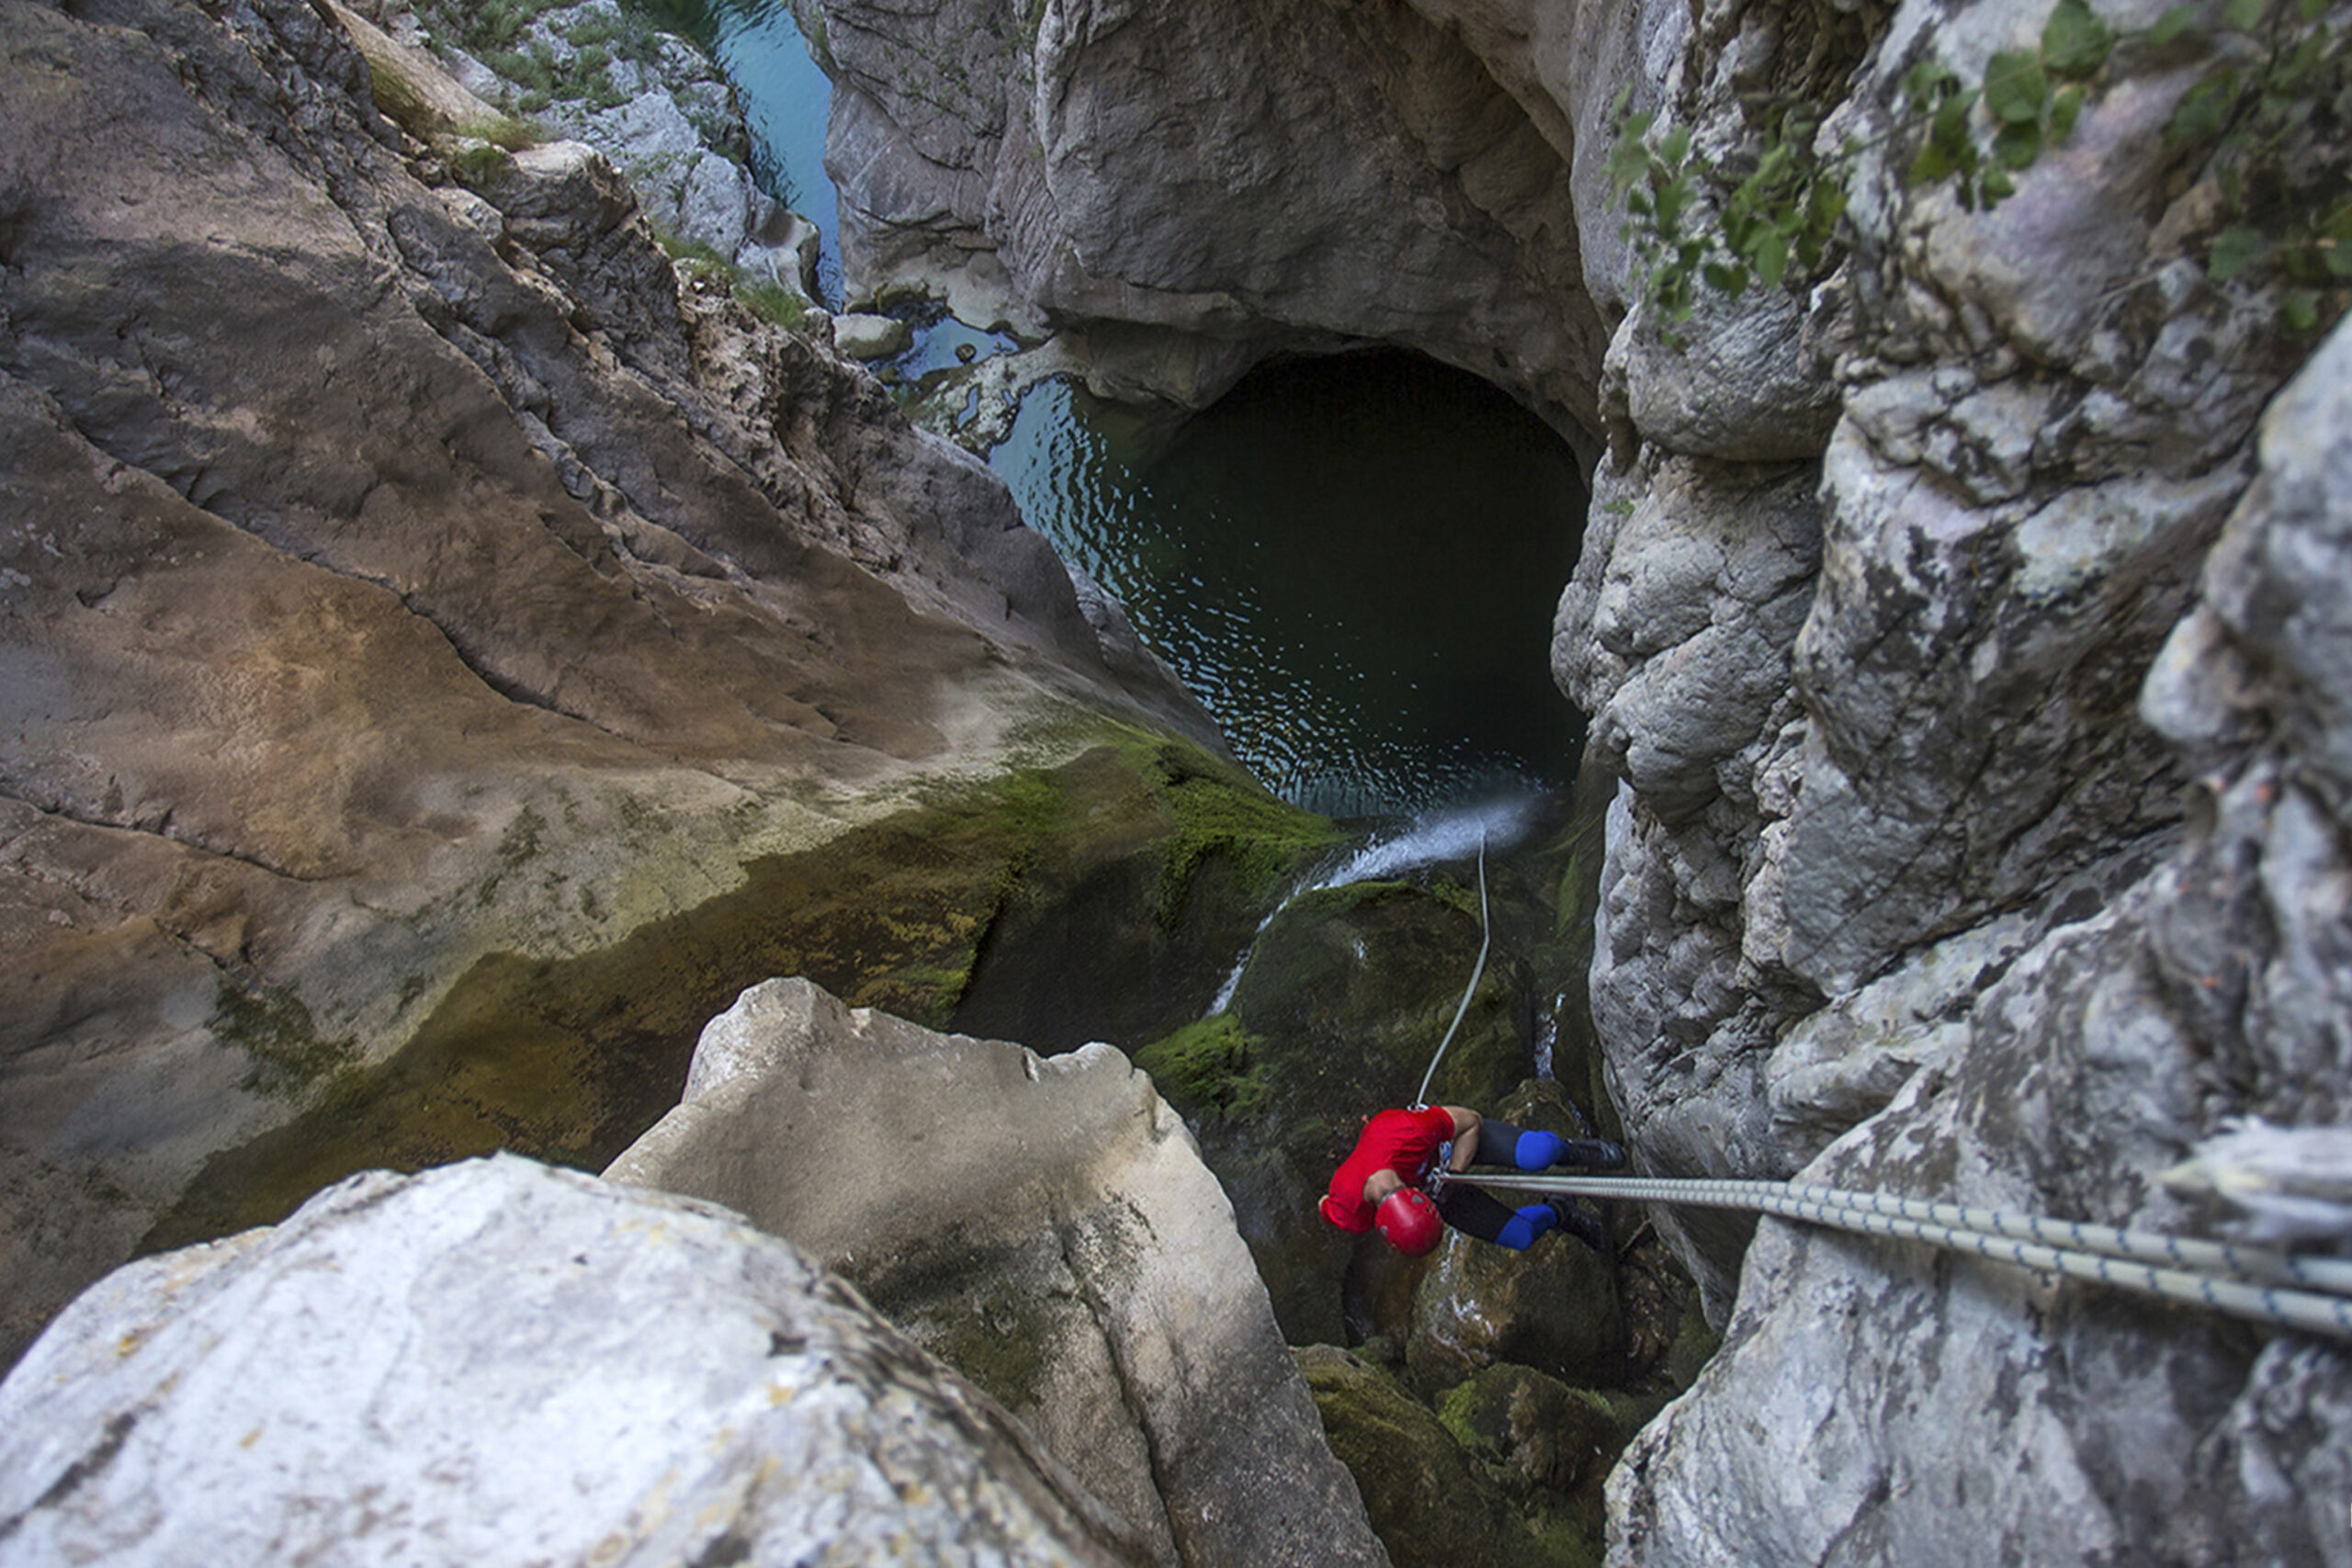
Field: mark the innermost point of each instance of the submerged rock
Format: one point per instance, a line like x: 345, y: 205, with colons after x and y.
x: 1046, y: 1225
x: 498, y: 1361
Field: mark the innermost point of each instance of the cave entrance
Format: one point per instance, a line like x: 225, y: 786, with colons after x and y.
x: 1351, y: 560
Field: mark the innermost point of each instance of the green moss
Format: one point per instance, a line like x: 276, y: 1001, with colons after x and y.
x: 1220, y: 813
x: 478, y: 165
x: 999, y: 1345
x: 1209, y: 1068
x: 773, y: 303
x: 277, y: 1031
x: 1694, y: 1344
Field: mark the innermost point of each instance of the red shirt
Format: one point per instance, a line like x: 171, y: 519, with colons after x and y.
x: 1406, y: 1142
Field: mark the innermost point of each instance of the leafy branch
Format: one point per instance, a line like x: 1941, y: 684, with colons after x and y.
x: 2279, y: 79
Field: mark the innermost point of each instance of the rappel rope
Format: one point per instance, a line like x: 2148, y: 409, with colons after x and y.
x: 2253, y: 1282
x: 2249, y: 1282
x: 1486, y: 940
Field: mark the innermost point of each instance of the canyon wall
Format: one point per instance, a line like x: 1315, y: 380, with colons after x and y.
x: 405, y: 571
x: 1183, y: 191
x: 1970, y: 664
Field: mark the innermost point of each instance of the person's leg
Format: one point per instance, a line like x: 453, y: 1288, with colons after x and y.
x: 1499, y: 1143
x: 1476, y: 1213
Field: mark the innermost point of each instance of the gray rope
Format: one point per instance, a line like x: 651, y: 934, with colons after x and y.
x: 1486, y: 940
x: 2248, y: 1282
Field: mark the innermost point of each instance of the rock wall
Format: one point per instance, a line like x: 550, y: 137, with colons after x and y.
x: 498, y: 1361
x: 1046, y: 1225
x: 401, y: 564
x: 1972, y: 833
x: 1186, y: 189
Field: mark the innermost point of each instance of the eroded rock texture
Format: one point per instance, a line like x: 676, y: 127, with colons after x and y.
x: 1046, y: 1224
x: 1189, y: 188
x: 395, y: 570
x: 498, y: 1361
x: 1917, y: 862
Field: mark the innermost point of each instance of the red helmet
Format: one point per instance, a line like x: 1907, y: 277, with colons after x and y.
x: 1407, y: 1220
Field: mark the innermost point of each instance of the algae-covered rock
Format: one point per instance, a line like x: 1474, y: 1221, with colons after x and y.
x: 1535, y: 1432
x: 1432, y: 1502
x: 1345, y: 997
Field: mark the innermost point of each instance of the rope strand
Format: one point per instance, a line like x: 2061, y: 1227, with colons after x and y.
x: 2249, y: 1282
x: 1486, y: 940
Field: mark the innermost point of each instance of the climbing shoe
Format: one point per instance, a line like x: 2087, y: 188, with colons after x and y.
x: 1585, y: 1227
x: 1597, y: 1153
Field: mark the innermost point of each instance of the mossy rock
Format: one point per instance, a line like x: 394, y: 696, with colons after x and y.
x: 1537, y: 1435
x: 1554, y: 1307
x: 1430, y: 1501
x: 1346, y: 994
x: 1043, y: 883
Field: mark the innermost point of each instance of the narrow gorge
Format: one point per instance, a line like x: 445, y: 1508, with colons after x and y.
x: 492, y: 669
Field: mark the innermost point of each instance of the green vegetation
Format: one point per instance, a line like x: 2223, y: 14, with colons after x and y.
x: 1219, y: 812
x: 277, y: 1031
x: 1210, y: 1068
x: 500, y: 33
x: 769, y: 301
x: 2271, y: 105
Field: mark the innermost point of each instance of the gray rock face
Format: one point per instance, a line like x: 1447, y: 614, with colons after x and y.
x: 2009, y: 891
x: 498, y: 1361
x: 1044, y: 1223
x: 1187, y: 189
x: 396, y: 571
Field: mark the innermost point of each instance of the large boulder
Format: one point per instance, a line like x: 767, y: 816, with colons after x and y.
x: 1046, y: 1225
x: 498, y: 1361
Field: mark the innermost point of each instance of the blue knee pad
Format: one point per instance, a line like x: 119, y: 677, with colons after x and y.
x: 1538, y: 1150
x: 1519, y: 1232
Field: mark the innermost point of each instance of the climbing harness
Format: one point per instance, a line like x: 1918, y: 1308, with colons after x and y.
x: 2313, y: 1294
x: 1485, y: 941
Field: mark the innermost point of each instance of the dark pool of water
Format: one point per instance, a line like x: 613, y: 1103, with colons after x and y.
x: 1353, y: 561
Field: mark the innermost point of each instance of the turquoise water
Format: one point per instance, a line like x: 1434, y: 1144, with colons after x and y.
x: 1353, y: 561
x: 784, y: 97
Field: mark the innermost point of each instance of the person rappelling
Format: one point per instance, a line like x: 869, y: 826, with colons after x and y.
x: 1393, y: 1181
x: 1386, y: 1183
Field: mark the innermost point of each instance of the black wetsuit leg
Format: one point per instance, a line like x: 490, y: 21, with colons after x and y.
x: 1497, y: 1142
x: 1473, y: 1211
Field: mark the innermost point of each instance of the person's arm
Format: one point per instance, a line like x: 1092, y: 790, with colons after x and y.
x: 1465, y: 1136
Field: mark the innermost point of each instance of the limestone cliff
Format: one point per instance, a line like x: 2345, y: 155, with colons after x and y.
x: 1165, y: 184
x: 401, y: 566
x: 1971, y: 670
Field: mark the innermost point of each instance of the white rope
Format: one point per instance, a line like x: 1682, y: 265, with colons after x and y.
x: 2249, y: 1282
x: 1486, y: 940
